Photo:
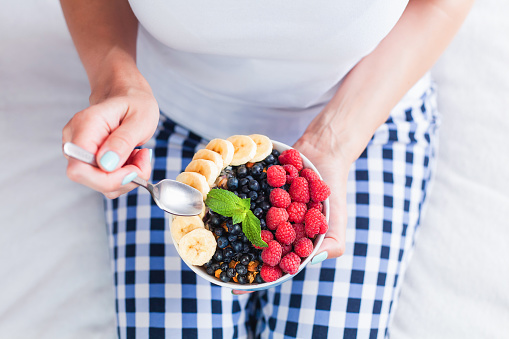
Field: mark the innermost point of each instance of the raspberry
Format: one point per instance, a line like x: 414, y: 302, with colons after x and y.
x: 309, y: 174
x: 315, y: 204
x: 266, y: 236
x: 285, y: 233
x: 270, y: 273
x: 296, y: 211
x: 303, y: 247
x: 291, y: 173
x: 272, y: 255
x: 286, y: 249
x: 275, y: 216
x: 280, y: 198
x: 299, y: 190
x: 315, y: 223
x: 318, y: 190
x: 291, y: 157
x: 290, y: 263
x: 276, y: 176
x: 300, y: 231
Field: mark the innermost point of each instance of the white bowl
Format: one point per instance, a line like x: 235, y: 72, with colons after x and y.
x: 257, y: 287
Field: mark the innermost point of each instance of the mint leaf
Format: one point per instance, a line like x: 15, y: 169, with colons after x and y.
x: 224, y: 202
x: 246, y: 203
x: 238, y: 217
x: 252, y: 230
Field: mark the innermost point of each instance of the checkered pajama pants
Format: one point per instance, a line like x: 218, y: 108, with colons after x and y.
x: 158, y: 296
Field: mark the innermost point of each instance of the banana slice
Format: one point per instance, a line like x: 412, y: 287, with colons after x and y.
x: 210, y: 155
x: 206, y: 168
x: 195, y: 180
x: 263, y: 147
x: 183, y: 225
x: 203, y: 211
x: 224, y: 148
x: 198, y: 246
x: 245, y: 149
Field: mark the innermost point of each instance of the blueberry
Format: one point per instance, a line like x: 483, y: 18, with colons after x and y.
x: 241, y: 269
x: 236, y: 229
x: 218, y: 256
x: 253, y: 206
x: 258, y: 212
x: 243, y: 238
x: 230, y: 272
x: 263, y: 224
x: 263, y: 176
x: 232, y: 184
x: 252, y: 255
x: 241, y: 171
x: 260, y: 199
x: 224, y: 277
x: 237, y: 246
x: 242, y: 279
x: 232, y: 237
x: 243, y: 182
x: 245, y: 189
x: 249, y: 177
x: 258, y: 279
x: 222, y: 242
x: 264, y: 186
x: 215, y: 220
x: 256, y: 170
x: 247, y: 248
x: 252, y: 195
x: 242, y: 196
x: 254, y: 185
x: 265, y: 206
x: 226, y: 259
x: 245, y: 259
x: 218, y: 231
x: 227, y: 253
x: 224, y: 267
x: 210, y: 270
x: 275, y: 153
x: 215, y: 266
x: 229, y: 223
x: 270, y: 159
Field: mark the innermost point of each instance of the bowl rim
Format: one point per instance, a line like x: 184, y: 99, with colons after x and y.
x: 199, y: 270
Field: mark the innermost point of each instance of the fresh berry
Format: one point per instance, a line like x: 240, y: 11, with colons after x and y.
x: 315, y: 204
x: 291, y: 173
x: 299, y: 190
x: 309, y: 174
x: 285, y: 233
x: 270, y: 273
x: 300, y: 231
x: 266, y: 236
x: 275, y: 216
x: 303, y: 247
x: 291, y: 157
x: 318, y: 190
x: 286, y: 249
x: 280, y: 198
x: 276, y: 176
x: 315, y: 223
x: 296, y: 211
x: 290, y: 263
x: 272, y: 255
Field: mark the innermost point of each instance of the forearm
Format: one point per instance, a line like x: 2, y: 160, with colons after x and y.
x: 104, y: 33
x: 375, y: 85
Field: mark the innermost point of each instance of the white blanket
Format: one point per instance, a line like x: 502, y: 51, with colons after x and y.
x: 56, y: 280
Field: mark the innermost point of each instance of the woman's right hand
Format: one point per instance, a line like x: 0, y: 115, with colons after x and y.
x: 118, y: 120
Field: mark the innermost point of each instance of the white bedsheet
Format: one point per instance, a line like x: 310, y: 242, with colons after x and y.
x: 56, y: 280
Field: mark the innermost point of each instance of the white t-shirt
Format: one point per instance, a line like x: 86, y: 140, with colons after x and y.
x: 239, y: 67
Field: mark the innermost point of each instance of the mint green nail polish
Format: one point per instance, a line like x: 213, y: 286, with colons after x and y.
x: 110, y: 160
x: 150, y: 151
x: 319, y: 258
x: 128, y: 178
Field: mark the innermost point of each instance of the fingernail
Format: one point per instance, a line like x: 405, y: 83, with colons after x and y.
x: 110, y: 160
x: 319, y: 258
x: 150, y: 151
x: 128, y: 178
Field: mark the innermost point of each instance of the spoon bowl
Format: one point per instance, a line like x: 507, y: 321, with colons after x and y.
x: 169, y: 195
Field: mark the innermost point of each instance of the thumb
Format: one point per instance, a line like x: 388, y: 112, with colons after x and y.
x: 119, y: 145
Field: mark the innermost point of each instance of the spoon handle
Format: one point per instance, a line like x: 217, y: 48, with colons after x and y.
x: 78, y: 153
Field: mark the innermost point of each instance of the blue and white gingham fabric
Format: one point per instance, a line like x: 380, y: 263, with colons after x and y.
x: 354, y: 296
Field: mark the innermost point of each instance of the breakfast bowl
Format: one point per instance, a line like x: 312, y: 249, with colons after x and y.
x: 201, y: 270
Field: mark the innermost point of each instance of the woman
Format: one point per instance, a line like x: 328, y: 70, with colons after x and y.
x: 345, y: 83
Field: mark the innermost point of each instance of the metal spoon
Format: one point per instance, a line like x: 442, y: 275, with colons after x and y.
x: 171, y: 196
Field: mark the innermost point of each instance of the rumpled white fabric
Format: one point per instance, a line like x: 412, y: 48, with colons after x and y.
x: 56, y: 279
